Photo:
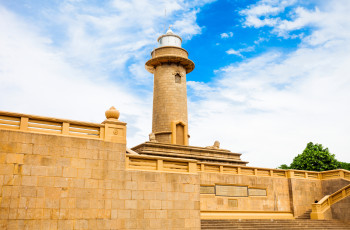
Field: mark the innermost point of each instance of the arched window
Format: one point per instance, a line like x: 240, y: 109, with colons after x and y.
x: 177, y: 78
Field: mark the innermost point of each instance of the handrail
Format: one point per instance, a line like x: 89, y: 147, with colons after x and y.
x: 146, y: 162
x: 110, y: 130
x: 319, y: 209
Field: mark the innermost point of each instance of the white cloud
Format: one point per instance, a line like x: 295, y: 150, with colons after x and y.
x: 240, y: 51
x: 226, y: 35
x: 269, y: 107
x: 88, y: 60
x: 36, y: 79
x: 235, y: 52
x: 118, y: 32
x: 260, y: 40
x: 269, y: 13
x: 258, y: 15
x: 182, y: 25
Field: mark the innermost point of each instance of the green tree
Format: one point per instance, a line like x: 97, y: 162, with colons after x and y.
x: 344, y: 165
x: 314, y: 158
x: 284, y: 166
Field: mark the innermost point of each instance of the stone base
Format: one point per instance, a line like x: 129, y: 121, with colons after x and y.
x: 205, y: 155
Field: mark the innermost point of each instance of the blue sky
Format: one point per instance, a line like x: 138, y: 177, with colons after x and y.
x: 270, y: 76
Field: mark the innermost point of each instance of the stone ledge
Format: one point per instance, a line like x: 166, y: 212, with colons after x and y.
x: 201, y: 154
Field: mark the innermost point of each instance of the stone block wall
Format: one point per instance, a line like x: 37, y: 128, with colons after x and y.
x: 58, y: 182
x: 341, y: 209
x: 303, y: 193
x: 277, y: 198
x: 170, y: 98
x: 61, y: 182
x: 165, y: 200
x: 333, y: 185
x: 283, y: 194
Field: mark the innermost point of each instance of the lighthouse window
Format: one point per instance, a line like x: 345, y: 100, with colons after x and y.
x: 177, y: 78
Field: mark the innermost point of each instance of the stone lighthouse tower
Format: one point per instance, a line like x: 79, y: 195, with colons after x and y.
x: 169, y: 63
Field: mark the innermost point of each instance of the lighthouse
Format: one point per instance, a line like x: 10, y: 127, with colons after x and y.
x: 169, y: 64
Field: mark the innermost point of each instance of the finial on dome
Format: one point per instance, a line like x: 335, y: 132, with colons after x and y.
x: 169, y: 31
x: 112, y: 113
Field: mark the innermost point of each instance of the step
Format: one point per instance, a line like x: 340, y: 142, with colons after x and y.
x: 262, y: 224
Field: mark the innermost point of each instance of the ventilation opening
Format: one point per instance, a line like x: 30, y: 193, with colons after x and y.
x: 177, y: 78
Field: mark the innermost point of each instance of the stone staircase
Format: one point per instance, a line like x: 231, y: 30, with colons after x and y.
x: 263, y: 224
x: 306, y: 215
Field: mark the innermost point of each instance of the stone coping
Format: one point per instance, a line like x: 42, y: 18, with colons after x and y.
x: 201, y: 154
x: 199, y: 157
x: 160, y: 158
x: 334, y: 170
x: 184, y: 147
x: 60, y: 120
x: 248, y: 167
x: 281, y: 170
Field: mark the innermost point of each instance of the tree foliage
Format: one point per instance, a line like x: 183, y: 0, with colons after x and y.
x: 284, y: 166
x: 344, y: 165
x: 315, y: 158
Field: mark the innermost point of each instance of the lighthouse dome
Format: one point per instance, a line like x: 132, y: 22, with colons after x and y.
x: 169, y: 39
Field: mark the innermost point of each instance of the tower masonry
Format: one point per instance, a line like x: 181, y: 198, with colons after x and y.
x: 169, y: 63
x: 169, y: 138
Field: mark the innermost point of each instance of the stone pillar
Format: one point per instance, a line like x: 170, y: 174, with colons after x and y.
x: 115, y: 130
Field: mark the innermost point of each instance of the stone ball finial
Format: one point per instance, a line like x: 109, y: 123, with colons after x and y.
x: 216, y: 145
x: 112, y: 113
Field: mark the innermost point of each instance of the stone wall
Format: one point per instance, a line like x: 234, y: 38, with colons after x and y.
x: 61, y: 182
x: 283, y: 194
x: 303, y: 193
x: 333, y: 185
x: 58, y: 182
x: 341, y: 209
x: 277, y: 198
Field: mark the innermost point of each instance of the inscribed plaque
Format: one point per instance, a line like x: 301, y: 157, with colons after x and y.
x: 207, y: 190
x: 231, y: 190
x: 257, y: 192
